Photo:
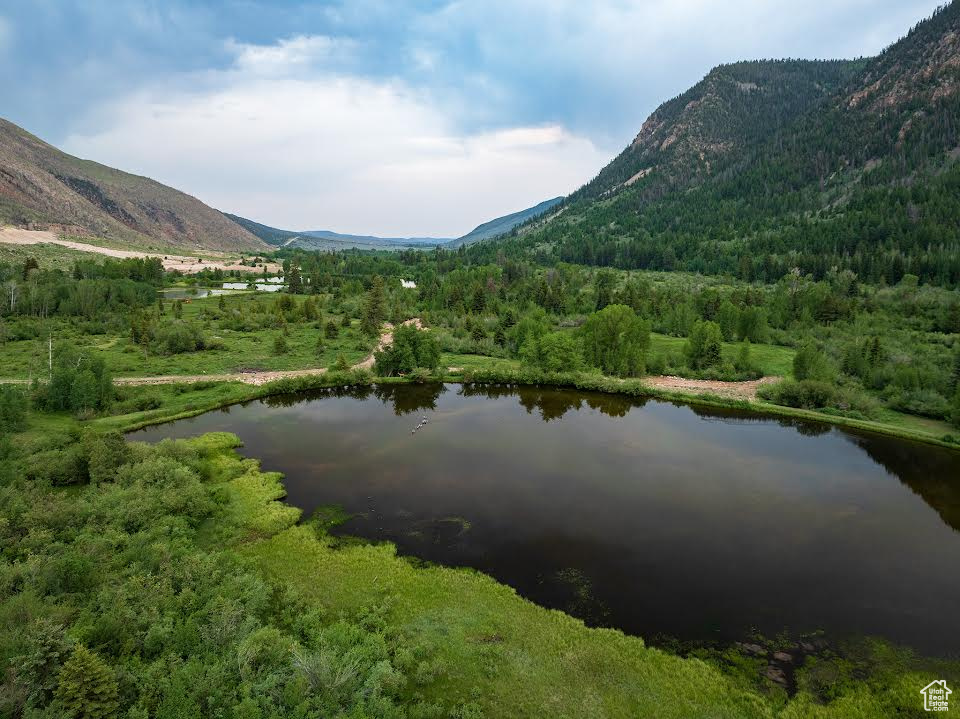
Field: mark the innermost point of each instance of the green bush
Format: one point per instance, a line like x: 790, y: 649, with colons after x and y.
x: 553, y: 352
x: 805, y: 394
x: 411, y: 348
x: 13, y: 408
x: 177, y: 337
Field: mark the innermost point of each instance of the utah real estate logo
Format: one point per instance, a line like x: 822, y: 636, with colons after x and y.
x: 936, y: 696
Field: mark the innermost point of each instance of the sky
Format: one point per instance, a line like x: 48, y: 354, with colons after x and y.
x: 389, y: 118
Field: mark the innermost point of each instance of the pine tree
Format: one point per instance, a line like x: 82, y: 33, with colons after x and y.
x: 294, y: 279
x: 373, y: 308
x: 87, y: 687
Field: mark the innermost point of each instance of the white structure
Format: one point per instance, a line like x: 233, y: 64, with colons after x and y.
x: 408, y: 284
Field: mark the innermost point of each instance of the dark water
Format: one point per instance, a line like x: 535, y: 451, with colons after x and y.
x: 660, y: 519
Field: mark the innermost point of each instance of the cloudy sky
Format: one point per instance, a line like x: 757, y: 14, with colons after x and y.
x: 383, y: 117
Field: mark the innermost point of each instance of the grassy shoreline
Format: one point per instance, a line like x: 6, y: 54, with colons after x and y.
x: 213, y: 395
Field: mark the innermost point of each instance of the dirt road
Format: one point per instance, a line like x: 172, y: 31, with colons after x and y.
x: 261, y: 378
x: 185, y: 263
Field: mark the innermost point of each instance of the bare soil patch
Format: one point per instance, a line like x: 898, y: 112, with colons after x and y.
x: 185, y: 263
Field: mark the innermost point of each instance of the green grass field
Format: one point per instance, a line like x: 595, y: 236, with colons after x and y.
x: 241, y: 350
x: 772, y: 359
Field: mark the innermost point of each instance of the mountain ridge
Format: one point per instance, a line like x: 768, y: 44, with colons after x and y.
x: 42, y: 187
x: 327, y: 239
x: 855, y: 171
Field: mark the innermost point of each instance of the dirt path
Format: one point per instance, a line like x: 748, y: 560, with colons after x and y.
x: 184, y: 263
x: 732, y: 390
x: 261, y: 378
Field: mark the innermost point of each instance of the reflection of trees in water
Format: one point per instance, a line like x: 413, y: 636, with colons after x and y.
x: 552, y: 403
x: 289, y: 400
x: 409, y: 398
x: 493, y: 391
x: 739, y: 416
x: 933, y: 473
x: 404, y: 398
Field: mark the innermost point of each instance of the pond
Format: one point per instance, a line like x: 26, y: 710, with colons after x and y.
x: 664, y: 520
x: 179, y: 293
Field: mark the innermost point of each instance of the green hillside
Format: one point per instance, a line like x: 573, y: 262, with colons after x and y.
x: 765, y: 168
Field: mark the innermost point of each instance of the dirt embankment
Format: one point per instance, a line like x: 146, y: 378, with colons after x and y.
x: 185, y: 263
x: 731, y: 390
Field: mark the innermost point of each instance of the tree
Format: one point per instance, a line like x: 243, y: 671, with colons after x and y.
x: 728, y: 317
x: 411, y: 348
x: 373, y: 308
x: 87, y: 687
x: 319, y: 348
x: 280, y: 345
x: 178, y: 309
x: 704, y: 346
x: 810, y: 362
x: 744, y: 362
x: 294, y: 279
x: 616, y: 341
x: 554, y: 352
x: 604, y: 289
x: 331, y: 330
x: 752, y: 324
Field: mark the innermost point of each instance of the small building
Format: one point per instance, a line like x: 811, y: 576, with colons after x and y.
x: 408, y: 284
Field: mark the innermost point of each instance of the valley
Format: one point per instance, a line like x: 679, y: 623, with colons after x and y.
x: 684, y: 442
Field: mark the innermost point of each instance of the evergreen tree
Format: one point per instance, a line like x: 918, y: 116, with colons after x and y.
x: 294, y: 279
x: 87, y: 687
x: 374, y: 312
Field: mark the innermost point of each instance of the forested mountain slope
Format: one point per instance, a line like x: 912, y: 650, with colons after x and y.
x: 40, y: 186
x: 767, y: 167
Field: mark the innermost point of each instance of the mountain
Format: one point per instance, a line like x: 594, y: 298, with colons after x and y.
x: 503, y: 225
x: 327, y: 240
x: 768, y: 167
x: 42, y: 187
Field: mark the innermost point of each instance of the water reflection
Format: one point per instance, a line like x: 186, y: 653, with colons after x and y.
x: 655, y: 517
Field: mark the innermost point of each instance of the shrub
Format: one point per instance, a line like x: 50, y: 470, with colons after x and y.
x: 13, y: 408
x: 411, y: 348
x: 177, y: 337
x: 811, y: 363
x: 805, y: 394
x: 553, y: 352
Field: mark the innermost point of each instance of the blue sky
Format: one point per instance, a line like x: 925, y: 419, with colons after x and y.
x: 420, y: 118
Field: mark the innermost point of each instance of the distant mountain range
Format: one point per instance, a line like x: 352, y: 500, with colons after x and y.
x: 762, y: 169
x: 42, y: 187
x: 328, y: 240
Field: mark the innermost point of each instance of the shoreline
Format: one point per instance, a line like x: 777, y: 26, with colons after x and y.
x: 633, y: 388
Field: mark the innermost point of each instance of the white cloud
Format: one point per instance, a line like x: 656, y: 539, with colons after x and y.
x: 282, y: 140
